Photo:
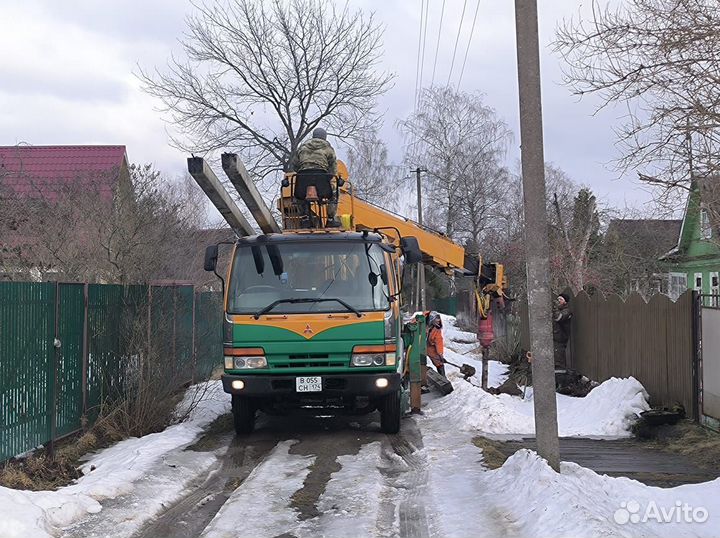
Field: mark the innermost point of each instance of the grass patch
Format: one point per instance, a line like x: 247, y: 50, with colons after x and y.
x: 38, y: 471
x: 493, y: 457
x: 698, y: 444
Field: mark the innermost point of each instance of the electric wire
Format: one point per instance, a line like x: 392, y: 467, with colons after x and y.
x: 457, y: 39
x: 472, y: 31
x: 437, y: 44
x: 424, y: 44
x: 417, y: 65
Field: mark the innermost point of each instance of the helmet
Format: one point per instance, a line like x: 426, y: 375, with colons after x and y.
x: 435, y: 319
x: 319, y: 132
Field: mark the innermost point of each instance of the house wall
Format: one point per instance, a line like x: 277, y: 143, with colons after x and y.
x: 701, y: 256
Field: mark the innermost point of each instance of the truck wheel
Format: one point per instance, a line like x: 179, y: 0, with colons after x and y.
x: 390, y: 413
x: 243, y: 415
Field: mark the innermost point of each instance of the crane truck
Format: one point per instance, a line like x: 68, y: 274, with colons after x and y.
x: 313, y: 317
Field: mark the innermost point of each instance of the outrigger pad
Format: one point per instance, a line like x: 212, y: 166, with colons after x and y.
x: 440, y: 382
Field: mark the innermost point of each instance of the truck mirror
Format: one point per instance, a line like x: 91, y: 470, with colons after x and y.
x: 384, y: 274
x: 411, y: 250
x: 211, y: 256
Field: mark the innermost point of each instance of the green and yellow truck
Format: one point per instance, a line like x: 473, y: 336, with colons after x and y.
x: 313, y: 320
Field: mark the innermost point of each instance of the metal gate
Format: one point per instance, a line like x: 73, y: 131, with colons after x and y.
x: 709, y: 375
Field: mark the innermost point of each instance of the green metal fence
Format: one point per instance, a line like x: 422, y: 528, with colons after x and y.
x: 64, y: 348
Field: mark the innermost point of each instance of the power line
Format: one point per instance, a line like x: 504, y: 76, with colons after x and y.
x: 417, y: 66
x: 472, y: 31
x: 457, y: 38
x: 424, y: 44
x: 437, y: 45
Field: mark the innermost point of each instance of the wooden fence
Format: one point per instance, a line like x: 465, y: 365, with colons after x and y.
x: 654, y: 341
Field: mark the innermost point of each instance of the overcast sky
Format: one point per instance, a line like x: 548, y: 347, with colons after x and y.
x: 67, y: 78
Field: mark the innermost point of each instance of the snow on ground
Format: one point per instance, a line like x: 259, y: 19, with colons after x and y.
x: 262, y: 502
x: 525, y: 497
x: 607, y: 411
x: 349, y: 506
x: 108, y: 474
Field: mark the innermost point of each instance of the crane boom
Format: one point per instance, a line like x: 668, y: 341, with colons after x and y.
x: 438, y: 250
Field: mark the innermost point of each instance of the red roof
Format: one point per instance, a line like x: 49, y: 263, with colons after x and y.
x: 43, y: 171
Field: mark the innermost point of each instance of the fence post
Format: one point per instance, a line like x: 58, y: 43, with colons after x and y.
x: 696, y: 313
x: 85, y: 351
x: 194, y: 351
x: 52, y: 381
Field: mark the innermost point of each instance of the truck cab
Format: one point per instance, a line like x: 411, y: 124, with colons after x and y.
x: 312, y: 324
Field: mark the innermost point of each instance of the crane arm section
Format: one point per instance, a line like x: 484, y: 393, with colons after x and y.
x: 438, y: 250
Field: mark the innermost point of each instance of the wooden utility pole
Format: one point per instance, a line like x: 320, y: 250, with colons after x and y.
x: 420, y: 296
x: 536, y: 232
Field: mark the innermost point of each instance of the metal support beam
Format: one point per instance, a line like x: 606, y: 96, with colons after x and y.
x: 240, y: 178
x: 211, y: 186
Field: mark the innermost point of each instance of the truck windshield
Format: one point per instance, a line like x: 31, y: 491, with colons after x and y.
x: 348, y: 271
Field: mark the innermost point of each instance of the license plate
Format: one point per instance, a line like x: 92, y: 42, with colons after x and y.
x: 308, y: 384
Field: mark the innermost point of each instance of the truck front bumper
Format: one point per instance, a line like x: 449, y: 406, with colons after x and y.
x: 333, y: 385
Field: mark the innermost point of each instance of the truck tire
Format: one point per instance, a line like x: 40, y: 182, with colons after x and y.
x: 390, y: 413
x: 243, y: 415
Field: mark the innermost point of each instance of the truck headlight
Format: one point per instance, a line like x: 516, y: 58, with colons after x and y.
x: 245, y: 363
x: 368, y: 359
x: 244, y: 359
x: 374, y: 355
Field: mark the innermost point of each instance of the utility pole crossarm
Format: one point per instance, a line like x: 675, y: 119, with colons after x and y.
x: 211, y: 186
x: 239, y: 177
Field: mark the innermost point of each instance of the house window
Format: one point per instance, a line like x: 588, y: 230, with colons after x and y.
x: 698, y: 282
x: 677, y: 285
x: 705, y: 227
x: 714, y: 289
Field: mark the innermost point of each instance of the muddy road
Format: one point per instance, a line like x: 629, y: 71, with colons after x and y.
x: 295, y: 477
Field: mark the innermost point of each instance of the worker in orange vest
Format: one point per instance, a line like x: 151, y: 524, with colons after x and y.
x: 435, y: 345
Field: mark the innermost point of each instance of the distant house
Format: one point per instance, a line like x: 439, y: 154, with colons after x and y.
x: 694, y: 262
x: 634, y: 247
x: 45, y: 191
x: 45, y: 172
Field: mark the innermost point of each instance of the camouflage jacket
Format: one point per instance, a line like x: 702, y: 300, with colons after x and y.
x: 315, y: 153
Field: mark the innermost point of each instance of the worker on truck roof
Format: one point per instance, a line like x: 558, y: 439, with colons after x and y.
x: 317, y: 156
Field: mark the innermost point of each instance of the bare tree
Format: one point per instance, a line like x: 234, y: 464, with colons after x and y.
x: 86, y: 231
x: 373, y: 178
x: 462, y: 143
x: 661, y: 60
x: 261, y: 75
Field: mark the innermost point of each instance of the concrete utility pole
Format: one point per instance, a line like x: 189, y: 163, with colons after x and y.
x: 536, y: 232
x: 420, y: 297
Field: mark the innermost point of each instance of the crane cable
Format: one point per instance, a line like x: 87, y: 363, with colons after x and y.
x: 472, y: 31
x: 457, y: 39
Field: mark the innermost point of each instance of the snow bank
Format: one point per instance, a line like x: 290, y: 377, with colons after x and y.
x: 107, y: 475
x: 579, y: 502
x: 607, y: 411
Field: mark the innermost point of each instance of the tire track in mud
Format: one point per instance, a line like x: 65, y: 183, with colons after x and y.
x: 189, y: 516
x: 406, y: 478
